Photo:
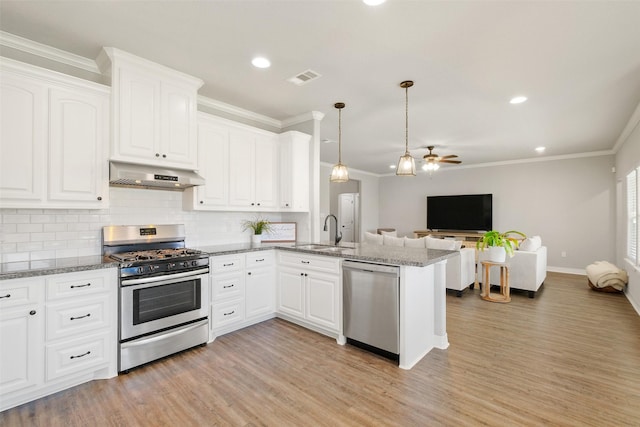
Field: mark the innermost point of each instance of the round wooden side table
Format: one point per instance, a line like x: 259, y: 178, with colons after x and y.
x: 504, y: 282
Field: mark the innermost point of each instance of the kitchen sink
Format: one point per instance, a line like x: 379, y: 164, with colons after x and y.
x: 323, y: 248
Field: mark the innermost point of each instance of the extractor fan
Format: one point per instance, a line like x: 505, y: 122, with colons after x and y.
x: 431, y: 160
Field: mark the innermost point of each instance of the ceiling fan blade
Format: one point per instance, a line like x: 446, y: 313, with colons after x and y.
x: 451, y: 161
x: 450, y: 156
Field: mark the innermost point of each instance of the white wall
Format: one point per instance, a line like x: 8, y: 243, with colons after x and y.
x: 628, y: 158
x: 35, y: 234
x: 569, y: 203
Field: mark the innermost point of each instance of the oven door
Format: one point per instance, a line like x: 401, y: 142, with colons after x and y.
x: 150, y: 304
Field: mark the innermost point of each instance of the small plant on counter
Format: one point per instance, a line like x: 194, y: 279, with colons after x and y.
x: 258, y: 225
x: 495, y: 238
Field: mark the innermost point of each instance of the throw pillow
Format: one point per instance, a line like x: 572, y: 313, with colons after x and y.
x: 415, y: 243
x: 447, y: 245
x: 374, y: 239
x: 393, y: 233
x: 530, y: 244
x: 392, y: 241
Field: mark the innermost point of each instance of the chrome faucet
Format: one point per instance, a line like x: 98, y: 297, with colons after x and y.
x: 338, y: 236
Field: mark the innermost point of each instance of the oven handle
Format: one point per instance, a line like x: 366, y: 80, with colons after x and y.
x: 171, y: 276
x: 163, y: 336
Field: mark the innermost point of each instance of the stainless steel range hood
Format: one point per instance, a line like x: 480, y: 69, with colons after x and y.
x: 143, y: 176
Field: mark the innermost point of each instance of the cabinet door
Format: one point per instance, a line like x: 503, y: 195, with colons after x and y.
x: 266, y: 166
x: 213, y: 165
x: 20, y: 348
x: 323, y: 300
x: 260, y: 292
x: 137, y: 116
x: 23, y: 125
x: 241, y: 169
x: 178, y: 140
x: 78, y: 137
x: 294, y: 171
x: 290, y: 298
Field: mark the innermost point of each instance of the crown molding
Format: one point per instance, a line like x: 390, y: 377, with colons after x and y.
x: 237, y: 111
x: 312, y: 115
x: 48, y: 52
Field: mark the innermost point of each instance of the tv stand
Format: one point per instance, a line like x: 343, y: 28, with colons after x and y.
x: 468, y: 238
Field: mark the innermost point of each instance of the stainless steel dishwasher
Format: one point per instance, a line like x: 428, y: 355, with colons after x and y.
x: 371, y: 301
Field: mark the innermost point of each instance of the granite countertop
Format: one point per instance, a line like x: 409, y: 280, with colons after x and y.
x: 361, y: 252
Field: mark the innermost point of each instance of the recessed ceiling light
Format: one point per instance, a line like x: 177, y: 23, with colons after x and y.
x: 261, y: 62
x: 373, y: 2
x: 518, y: 100
x: 392, y: 166
x: 540, y: 149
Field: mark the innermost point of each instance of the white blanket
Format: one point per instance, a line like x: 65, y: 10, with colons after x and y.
x: 603, y: 274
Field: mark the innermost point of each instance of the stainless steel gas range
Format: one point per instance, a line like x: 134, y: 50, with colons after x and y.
x: 164, y: 292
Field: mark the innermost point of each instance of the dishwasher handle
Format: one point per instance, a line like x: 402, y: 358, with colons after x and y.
x: 374, y: 268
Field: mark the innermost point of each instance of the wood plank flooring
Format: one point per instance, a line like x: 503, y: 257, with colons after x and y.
x: 569, y: 357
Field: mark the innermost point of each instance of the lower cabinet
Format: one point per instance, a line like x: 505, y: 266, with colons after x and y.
x: 243, y: 290
x: 56, y: 332
x: 309, y: 290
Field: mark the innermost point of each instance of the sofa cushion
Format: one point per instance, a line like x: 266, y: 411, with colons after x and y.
x: 415, y: 243
x: 371, y: 238
x: 444, y: 244
x: 530, y: 244
x: 393, y: 233
x: 392, y: 241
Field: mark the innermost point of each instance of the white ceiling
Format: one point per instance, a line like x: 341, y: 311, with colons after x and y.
x: 578, y: 62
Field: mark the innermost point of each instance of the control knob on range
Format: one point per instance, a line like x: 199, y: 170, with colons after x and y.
x: 185, y: 264
x: 194, y: 263
x: 171, y: 266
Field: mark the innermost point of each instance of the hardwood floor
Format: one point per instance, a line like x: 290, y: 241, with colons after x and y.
x: 569, y: 357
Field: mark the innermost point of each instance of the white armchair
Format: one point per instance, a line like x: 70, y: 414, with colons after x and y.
x: 527, y: 270
x: 461, y: 271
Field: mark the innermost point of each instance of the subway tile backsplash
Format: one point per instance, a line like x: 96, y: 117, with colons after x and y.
x: 36, y: 234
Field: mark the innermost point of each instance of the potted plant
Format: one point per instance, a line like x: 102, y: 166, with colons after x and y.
x: 499, y: 245
x: 258, y: 226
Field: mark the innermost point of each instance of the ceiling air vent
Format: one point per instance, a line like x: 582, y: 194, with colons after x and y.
x: 304, y: 77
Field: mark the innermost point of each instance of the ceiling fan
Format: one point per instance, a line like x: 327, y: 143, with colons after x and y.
x: 432, y: 160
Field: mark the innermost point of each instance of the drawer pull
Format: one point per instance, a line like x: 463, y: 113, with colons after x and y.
x: 229, y: 313
x: 32, y: 312
x: 305, y: 262
x: 80, y: 317
x: 6, y: 296
x: 80, y: 286
x: 81, y: 355
x: 228, y: 286
x: 227, y: 265
x: 260, y: 260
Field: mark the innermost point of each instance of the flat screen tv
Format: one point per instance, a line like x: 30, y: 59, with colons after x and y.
x: 468, y: 212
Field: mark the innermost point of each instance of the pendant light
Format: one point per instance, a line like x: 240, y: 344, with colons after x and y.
x: 339, y: 173
x: 406, y: 164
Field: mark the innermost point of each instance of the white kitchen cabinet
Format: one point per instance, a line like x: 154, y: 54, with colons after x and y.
x: 253, y: 162
x: 21, y: 336
x: 56, y: 331
x: 309, y: 290
x: 294, y: 171
x: 243, y: 290
x: 154, y: 111
x: 55, y: 138
x: 260, y: 284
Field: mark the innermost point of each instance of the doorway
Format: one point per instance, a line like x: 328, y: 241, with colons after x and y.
x: 345, y: 204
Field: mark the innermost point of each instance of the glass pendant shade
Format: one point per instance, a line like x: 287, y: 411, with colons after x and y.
x: 339, y: 173
x: 406, y: 165
x: 430, y: 166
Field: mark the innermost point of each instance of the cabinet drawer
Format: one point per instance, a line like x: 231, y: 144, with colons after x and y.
x: 64, y: 319
x: 221, y: 264
x: 71, y: 357
x: 310, y: 262
x: 225, y: 286
x: 227, y: 313
x: 20, y: 292
x: 259, y: 259
x: 82, y: 283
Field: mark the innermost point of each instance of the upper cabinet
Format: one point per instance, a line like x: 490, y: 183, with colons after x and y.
x: 154, y: 111
x: 54, y: 141
x: 249, y: 169
x: 294, y: 172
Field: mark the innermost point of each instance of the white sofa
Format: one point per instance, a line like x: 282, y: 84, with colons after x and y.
x: 527, y: 270
x: 460, y: 270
